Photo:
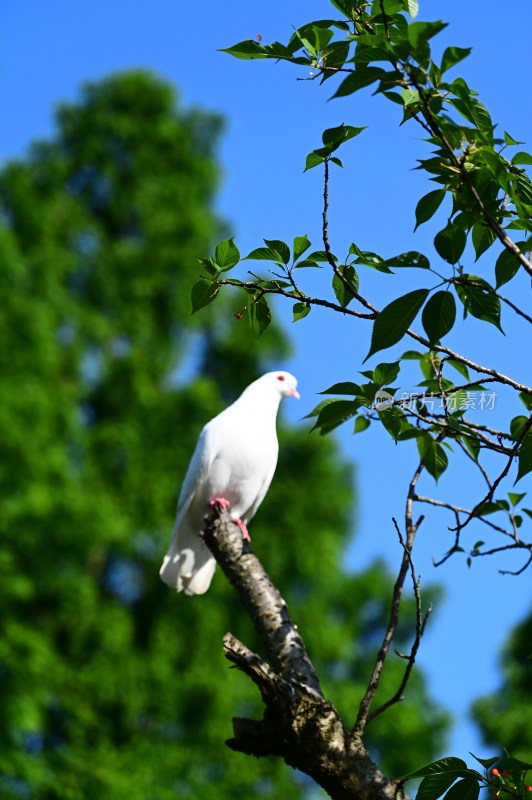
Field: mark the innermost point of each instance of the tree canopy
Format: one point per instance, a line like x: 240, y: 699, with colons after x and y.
x: 504, y: 715
x: 482, y: 202
x: 112, y: 686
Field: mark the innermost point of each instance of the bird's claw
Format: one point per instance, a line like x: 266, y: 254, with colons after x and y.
x: 220, y: 501
x: 225, y: 505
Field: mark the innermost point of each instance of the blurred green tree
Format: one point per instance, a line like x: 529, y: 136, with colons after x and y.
x: 504, y: 716
x: 111, y: 686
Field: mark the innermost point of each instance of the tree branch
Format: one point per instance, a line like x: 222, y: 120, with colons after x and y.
x: 299, y: 724
x: 267, y: 609
x: 411, y: 530
x: 421, y: 621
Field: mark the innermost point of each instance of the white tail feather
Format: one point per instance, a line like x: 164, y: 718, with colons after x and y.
x: 188, y: 565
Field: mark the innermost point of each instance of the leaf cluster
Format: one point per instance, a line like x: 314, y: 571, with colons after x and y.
x: 483, y: 194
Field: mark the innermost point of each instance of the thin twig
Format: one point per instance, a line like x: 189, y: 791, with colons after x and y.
x: 489, y: 496
x: 477, y: 463
x: 453, y: 549
x: 421, y: 621
x: 330, y: 258
x: 313, y: 301
x: 459, y: 510
x: 411, y: 530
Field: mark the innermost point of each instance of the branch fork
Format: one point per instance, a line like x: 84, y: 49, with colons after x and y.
x: 299, y: 724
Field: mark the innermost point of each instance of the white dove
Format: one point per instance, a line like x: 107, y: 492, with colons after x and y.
x: 233, y: 463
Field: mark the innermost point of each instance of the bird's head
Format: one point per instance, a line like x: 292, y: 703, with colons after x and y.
x: 284, y: 383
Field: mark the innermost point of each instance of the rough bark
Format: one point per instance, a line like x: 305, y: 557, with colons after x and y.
x: 299, y: 724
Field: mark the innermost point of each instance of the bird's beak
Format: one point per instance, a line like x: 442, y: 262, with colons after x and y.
x: 294, y: 393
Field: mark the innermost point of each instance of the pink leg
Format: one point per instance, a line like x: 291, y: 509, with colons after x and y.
x: 221, y: 501
x: 225, y: 504
x: 243, y: 528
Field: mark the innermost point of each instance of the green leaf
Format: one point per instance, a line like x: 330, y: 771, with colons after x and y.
x: 433, y: 786
x: 472, y: 110
x: 319, y: 255
x: 439, y: 316
x: 281, y: 250
x: 209, y: 265
x: 448, y: 764
x: 510, y: 139
x: 227, y: 254
x: 301, y: 244
x: 486, y: 762
x: 516, y: 426
x: 428, y: 205
x: 259, y: 315
x: 433, y: 457
x: 465, y: 789
x: 317, y: 409
x: 391, y: 419
x: 334, y: 413
x: 515, y: 498
x: 452, y: 55
x: 483, y: 237
x: 300, y: 311
x: 523, y: 188
x: 336, y: 161
x: 459, y: 367
x: 522, y: 158
x: 420, y: 32
x: 506, y: 267
x: 410, y: 259
x: 450, y: 243
x: 473, y: 446
x: 333, y: 137
x: 307, y: 262
x: 261, y: 254
x: 514, y: 764
x: 526, y: 400
x: 369, y: 259
x: 524, y: 457
x: 484, y: 509
x: 478, y: 299
x: 361, y: 424
x: 313, y: 160
x: 360, y: 77
x: 203, y: 292
x: 344, y: 294
x: 249, y: 48
x: 384, y: 374
x: 412, y: 6
x: 394, y: 320
x: 343, y: 388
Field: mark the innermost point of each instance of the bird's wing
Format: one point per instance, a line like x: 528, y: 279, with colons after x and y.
x: 202, y: 458
x: 263, y: 488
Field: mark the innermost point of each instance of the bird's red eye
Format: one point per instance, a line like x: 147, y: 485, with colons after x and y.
x: 280, y: 377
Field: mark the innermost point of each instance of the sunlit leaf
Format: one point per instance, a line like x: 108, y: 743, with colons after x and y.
x: 345, y: 289
x: 452, y: 55
x: 358, y: 79
x: 227, y: 254
x: 300, y: 311
x: 203, y: 292
x: 301, y: 244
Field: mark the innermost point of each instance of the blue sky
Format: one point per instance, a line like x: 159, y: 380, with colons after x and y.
x: 273, y: 120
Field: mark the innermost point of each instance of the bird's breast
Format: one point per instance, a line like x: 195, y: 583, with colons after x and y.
x: 240, y: 470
